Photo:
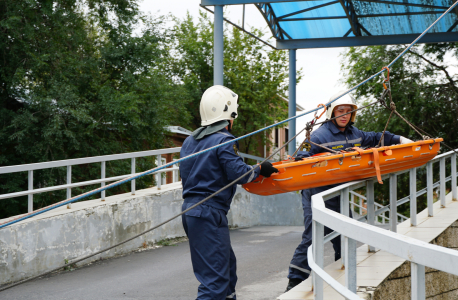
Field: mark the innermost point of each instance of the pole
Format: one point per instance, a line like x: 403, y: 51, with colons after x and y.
x: 218, y: 46
x: 292, y: 101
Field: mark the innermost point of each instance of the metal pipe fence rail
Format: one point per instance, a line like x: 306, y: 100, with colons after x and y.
x: 419, y: 253
x: 69, y: 163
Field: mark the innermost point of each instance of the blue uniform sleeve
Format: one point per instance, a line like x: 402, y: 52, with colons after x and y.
x: 233, y: 165
x: 371, y: 139
x: 313, y: 148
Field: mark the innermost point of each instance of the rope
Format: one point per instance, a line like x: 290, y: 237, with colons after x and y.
x: 410, y: 124
x: 151, y: 229
x: 326, y: 148
x: 309, y: 126
x: 109, y: 186
x: 382, y: 101
x: 196, y: 154
x: 76, y: 198
x: 384, y: 130
x: 431, y: 135
x: 393, y: 110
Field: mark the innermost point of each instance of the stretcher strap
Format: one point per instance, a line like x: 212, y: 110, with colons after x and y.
x: 359, y: 150
x: 377, y: 165
x: 376, y: 160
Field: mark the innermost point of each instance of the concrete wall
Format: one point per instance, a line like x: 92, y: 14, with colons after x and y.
x: 252, y: 210
x: 46, y: 241
x: 439, y: 285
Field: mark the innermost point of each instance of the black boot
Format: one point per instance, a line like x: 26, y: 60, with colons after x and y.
x: 292, y: 283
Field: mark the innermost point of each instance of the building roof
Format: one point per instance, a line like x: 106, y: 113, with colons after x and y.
x: 178, y: 129
x: 298, y: 107
x: 342, y: 23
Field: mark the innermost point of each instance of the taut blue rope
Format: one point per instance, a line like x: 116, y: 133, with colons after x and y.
x: 85, y: 195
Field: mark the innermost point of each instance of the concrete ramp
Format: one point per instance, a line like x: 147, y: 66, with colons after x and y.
x: 49, y: 240
x: 381, y: 275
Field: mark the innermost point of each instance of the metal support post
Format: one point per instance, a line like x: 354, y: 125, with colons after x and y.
x: 417, y: 281
x: 370, y: 206
x: 69, y: 181
x: 454, y: 193
x: 218, y: 46
x: 159, y: 175
x: 102, y: 177
x: 292, y: 101
x: 344, y: 210
x: 429, y: 188
x: 352, y: 203
x: 413, y: 196
x: 442, y: 181
x: 350, y: 264
x: 361, y: 205
x: 318, y: 251
x: 243, y: 18
x: 393, y: 203
x: 175, y: 174
x: 30, y: 196
x: 132, y: 171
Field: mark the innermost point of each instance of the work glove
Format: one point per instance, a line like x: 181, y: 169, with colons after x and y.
x: 267, y: 169
x: 405, y: 140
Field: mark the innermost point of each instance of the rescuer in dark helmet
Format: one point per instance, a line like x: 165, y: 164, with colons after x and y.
x: 206, y: 226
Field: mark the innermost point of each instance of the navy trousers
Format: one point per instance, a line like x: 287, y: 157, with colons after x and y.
x: 299, y: 267
x: 213, y: 259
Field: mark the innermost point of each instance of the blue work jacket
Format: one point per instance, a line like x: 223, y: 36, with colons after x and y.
x: 330, y: 136
x: 205, y: 174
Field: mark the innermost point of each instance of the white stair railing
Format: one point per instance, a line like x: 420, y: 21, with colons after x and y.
x: 419, y: 253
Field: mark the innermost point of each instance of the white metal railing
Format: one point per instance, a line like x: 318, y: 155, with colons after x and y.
x: 363, y: 208
x: 419, y: 253
x: 159, y: 160
x: 30, y: 168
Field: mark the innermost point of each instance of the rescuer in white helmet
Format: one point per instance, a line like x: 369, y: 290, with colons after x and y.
x: 339, y: 107
x: 206, y: 226
x: 337, y: 134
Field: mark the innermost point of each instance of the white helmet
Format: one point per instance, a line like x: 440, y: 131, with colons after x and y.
x: 345, y: 100
x: 218, y: 103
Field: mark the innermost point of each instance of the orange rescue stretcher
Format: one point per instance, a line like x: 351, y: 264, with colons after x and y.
x: 329, y: 168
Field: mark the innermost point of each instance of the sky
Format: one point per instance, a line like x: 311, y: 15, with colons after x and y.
x: 320, y: 67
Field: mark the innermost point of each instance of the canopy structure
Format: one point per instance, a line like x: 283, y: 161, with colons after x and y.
x: 343, y: 23
x: 302, y: 24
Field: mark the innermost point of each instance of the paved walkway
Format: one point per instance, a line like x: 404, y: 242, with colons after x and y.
x: 263, y: 255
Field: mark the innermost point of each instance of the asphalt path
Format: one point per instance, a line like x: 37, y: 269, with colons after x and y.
x: 263, y: 255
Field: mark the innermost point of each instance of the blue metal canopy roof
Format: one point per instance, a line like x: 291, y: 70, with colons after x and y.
x: 338, y: 23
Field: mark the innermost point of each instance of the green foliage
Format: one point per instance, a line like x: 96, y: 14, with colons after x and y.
x: 425, y: 91
x: 423, y: 85
x: 166, y: 242
x: 256, y: 73
x: 78, y: 79
x: 83, y: 78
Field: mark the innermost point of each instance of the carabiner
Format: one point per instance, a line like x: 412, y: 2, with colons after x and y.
x: 325, y: 108
x: 387, y: 74
x: 387, y: 79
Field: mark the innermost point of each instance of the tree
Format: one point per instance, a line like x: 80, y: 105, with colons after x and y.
x: 257, y: 74
x: 77, y: 79
x: 424, y: 88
